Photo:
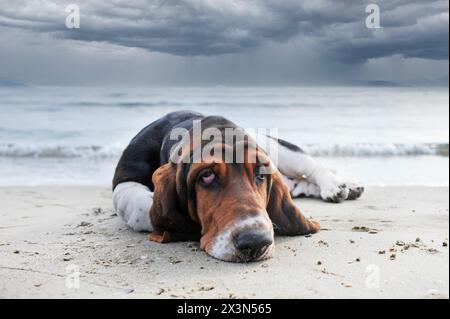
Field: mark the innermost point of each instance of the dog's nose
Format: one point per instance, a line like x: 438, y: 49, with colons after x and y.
x: 252, y: 245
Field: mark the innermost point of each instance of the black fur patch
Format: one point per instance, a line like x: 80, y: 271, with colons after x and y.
x: 288, y: 145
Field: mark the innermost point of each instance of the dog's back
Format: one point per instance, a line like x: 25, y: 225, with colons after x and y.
x: 143, y: 155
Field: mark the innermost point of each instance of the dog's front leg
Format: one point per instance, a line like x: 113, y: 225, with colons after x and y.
x: 132, y: 202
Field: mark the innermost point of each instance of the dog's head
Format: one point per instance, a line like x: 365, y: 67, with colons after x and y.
x: 231, y: 206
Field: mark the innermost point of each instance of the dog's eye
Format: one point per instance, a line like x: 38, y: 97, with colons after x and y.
x: 207, y: 177
x: 260, y: 177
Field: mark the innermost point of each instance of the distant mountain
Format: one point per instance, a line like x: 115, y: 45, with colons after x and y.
x: 441, y: 82
x: 376, y: 83
x: 11, y: 83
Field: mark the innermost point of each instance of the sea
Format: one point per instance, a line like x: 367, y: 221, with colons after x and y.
x: 378, y: 136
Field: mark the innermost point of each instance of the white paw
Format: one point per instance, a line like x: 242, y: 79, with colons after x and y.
x: 355, y: 190
x: 334, y: 191
x: 138, y: 220
x: 132, y: 202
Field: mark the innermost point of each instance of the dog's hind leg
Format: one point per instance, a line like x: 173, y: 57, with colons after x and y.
x: 132, y: 201
x: 302, y: 188
x: 294, y: 163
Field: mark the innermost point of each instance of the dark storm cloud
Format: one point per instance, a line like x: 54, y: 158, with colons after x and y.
x: 414, y: 28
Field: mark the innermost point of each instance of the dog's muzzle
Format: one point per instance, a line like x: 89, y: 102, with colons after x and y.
x: 249, y: 239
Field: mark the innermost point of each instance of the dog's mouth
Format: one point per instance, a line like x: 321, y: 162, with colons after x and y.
x: 247, y: 256
x: 244, y: 256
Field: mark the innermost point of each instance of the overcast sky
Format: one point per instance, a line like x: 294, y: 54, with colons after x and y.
x: 223, y: 42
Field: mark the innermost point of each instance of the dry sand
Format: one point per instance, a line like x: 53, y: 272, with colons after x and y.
x: 392, y: 243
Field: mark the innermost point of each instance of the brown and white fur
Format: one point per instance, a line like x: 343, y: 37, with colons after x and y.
x: 236, y: 218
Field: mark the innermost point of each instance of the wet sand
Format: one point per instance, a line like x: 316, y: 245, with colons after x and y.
x: 392, y: 243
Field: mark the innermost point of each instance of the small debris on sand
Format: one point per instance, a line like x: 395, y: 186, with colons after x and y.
x: 265, y: 266
x: 433, y: 251
x: 174, y: 260
x: 352, y: 241
x: 433, y: 293
x: 84, y: 224
x: 326, y: 272
x: 402, y: 246
x: 364, y: 229
x: 358, y: 260
x: 393, y: 256
x: 381, y: 252
x: 323, y: 243
x: 193, y: 246
x: 360, y: 229
x: 130, y: 291
x: 206, y: 288
x: 160, y: 292
x: 97, y: 211
x: 445, y: 244
x: 16, y: 252
x: 319, y: 263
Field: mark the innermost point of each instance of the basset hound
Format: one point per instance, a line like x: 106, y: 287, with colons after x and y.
x: 232, y: 205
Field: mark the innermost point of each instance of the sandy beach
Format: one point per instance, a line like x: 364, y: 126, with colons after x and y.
x: 393, y: 243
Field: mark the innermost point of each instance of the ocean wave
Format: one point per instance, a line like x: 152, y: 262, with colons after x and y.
x: 321, y: 150
x: 58, y: 151
x: 125, y: 104
x: 378, y: 149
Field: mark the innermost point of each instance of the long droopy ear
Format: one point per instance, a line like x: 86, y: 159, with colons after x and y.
x: 287, y: 218
x: 168, y: 213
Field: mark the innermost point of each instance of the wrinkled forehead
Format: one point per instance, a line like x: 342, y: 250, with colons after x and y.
x: 226, y: 145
